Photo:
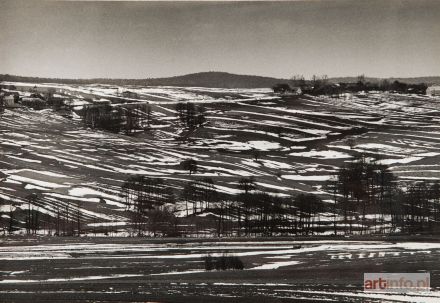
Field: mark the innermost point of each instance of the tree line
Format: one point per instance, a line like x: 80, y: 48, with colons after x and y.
x: 366, y: 199
x: 64, y: 219
x: 190, y: 115
x: 129, y: 118
x: 125, y: 118
x: 321, y: 85
x: 369, y: 199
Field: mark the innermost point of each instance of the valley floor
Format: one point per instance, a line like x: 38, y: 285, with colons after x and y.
x: 172, y: 270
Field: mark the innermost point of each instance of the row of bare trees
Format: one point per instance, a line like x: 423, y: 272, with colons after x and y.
x: 190, y: 115
x: 251, y: 212
x: 132, y: 117
x: 64, y: 219
x: 368, y: 199
x: 146, y: 199
x: 419, y: 209
x: 127, y: 118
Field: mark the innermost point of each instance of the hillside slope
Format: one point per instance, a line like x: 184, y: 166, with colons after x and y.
x: 302, y: 141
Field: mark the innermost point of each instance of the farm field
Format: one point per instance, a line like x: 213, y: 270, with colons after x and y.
x: 301, y: 142
x: 172, y: 270
x: 220, y: 151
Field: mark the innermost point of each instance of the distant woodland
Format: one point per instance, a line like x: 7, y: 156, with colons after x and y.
x: 207, y: 79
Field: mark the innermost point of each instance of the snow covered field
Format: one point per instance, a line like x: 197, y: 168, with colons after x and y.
x: 289, y: 145
x: 162, y: 270
x: 302, y: 141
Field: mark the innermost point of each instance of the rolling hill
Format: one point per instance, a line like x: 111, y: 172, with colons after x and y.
x: 203, y: 79
x: 302, y: 141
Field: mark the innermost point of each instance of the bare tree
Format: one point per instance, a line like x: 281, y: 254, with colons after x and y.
x: 190, y: 165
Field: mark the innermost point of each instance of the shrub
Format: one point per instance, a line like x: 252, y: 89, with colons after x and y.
x: 209, y: 264
x: 223, y: 262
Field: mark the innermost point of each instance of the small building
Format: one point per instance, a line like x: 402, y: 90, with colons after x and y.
x: 102, y: 101
x: 76, y: 103
x: 7, y: 86
x: 433, y: 90
x: 9, y: 101
x: 296, y: 90
x: 37, y: 95
x: 35, y: 103
x: 286, y: 89
x: 56, y: 100
x: 130, y: 94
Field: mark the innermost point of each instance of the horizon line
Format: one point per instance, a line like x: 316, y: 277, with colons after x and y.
x: 205, y: 72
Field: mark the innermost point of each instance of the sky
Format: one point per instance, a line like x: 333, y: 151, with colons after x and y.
x: 69, y: 39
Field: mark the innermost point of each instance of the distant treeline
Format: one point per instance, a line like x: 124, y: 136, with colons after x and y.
x: 321, y: 85
x: 321, y: 88
x: 411, y: 80
x: 208, y: 79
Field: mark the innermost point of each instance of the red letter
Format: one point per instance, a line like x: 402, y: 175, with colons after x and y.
x: 384, y: 283
x: 368, y: 285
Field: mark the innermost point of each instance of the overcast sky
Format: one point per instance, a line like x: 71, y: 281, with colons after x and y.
x: 144, y: 39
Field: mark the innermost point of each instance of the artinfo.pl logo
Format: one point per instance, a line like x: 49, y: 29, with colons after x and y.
x: 397, y: 282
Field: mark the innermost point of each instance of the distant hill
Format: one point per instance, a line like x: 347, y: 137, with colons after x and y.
x: 217, y: 79
x: 205, y: 79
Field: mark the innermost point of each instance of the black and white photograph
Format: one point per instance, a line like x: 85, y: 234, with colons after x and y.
x: 220, y: 151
